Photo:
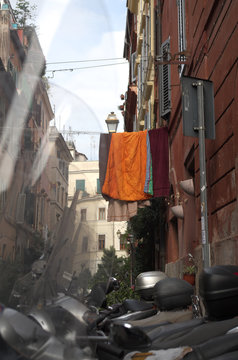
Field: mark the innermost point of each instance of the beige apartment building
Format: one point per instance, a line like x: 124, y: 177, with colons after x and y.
x: 94, y: 232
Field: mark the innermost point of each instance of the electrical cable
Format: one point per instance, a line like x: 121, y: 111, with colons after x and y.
x: 78, y: 61
x: 85, y: 67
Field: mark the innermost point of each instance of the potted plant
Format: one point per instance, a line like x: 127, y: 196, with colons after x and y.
x: 189, y: 272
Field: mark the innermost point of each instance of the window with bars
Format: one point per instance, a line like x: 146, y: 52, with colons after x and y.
x: 101, y: 214
x: 165, y: 83
x: 101, y: 242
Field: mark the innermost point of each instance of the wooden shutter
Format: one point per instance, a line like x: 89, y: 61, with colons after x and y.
x: 165, y: 82
x: 98, y: 187
x: 80, y: 185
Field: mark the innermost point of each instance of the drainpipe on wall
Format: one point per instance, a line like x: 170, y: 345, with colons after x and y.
x: 158, y: 39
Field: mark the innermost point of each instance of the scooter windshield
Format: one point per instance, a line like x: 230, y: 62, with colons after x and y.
x: 59, y: 254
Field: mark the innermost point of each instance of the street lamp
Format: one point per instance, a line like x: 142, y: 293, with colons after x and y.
x: 112, y: 122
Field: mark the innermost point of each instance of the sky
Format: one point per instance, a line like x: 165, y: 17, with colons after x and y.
x: 82, y: 30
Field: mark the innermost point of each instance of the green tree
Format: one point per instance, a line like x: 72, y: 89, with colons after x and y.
x: 110, y: 266
x: 145, y: 227
x: 24, y: 13
x: 118, y: 267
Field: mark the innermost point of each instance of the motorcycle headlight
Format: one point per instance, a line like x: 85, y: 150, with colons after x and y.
x: 90, y: 317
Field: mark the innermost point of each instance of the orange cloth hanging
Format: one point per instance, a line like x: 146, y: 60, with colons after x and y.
x: 126, y: 167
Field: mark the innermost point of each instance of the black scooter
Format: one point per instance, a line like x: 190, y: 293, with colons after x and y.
x: 219, y: 290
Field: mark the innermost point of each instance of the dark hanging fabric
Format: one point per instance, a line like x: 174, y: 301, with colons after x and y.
x: 160, y: 161
x: 104, y: 146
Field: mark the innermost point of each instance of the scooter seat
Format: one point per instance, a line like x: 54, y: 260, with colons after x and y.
x: 136, y: 305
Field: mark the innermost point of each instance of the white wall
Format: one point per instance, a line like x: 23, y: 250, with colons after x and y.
x: 92, y: 227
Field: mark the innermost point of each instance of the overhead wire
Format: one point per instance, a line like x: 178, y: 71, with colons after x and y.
x: 85, y: 67
x: 78, y: 61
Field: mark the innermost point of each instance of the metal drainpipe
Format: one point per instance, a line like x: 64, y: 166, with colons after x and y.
x: 158, y: 38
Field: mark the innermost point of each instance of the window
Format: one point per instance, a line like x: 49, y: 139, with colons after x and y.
x: 80, y: 185
x: 165, y: 88
x: 102, y: 214
x: 57, y: 192
x: 62, y: 197
x: 12, y: 71
x: 38, y: 114
x: 132, y: 67
x: 3, y: 197
x: 42, y: 211
x: 2, y: 113
x: 101, y: 242
x: 83, y: 214
x: 3, y: 251
x: 85, y: 244
x: 20, y: 209
x: 98, y: 187
x: 122, y: 243
x: 30, y: 207
x: 28, y: 143
x: 181, y: 31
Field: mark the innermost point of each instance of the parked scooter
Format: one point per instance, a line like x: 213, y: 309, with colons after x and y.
x: 219, y: 290
x: 21, y: 338
x: 63, y: 322
x: 135, y: 309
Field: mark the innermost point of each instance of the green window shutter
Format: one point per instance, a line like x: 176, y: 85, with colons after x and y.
x: 98, y: 187
x: 80, y: 185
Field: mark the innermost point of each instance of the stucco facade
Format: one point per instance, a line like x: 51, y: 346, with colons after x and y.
x: 94, y: 231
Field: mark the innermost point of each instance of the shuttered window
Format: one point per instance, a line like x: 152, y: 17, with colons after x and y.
x: 80, y: 185
x: 181, y: 31
x: 132, y: 67
x: 181, y: 25
x: 165, y: 81
x: 98, y: 187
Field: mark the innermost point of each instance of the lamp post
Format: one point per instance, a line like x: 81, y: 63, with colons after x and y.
x: 112, y: 122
